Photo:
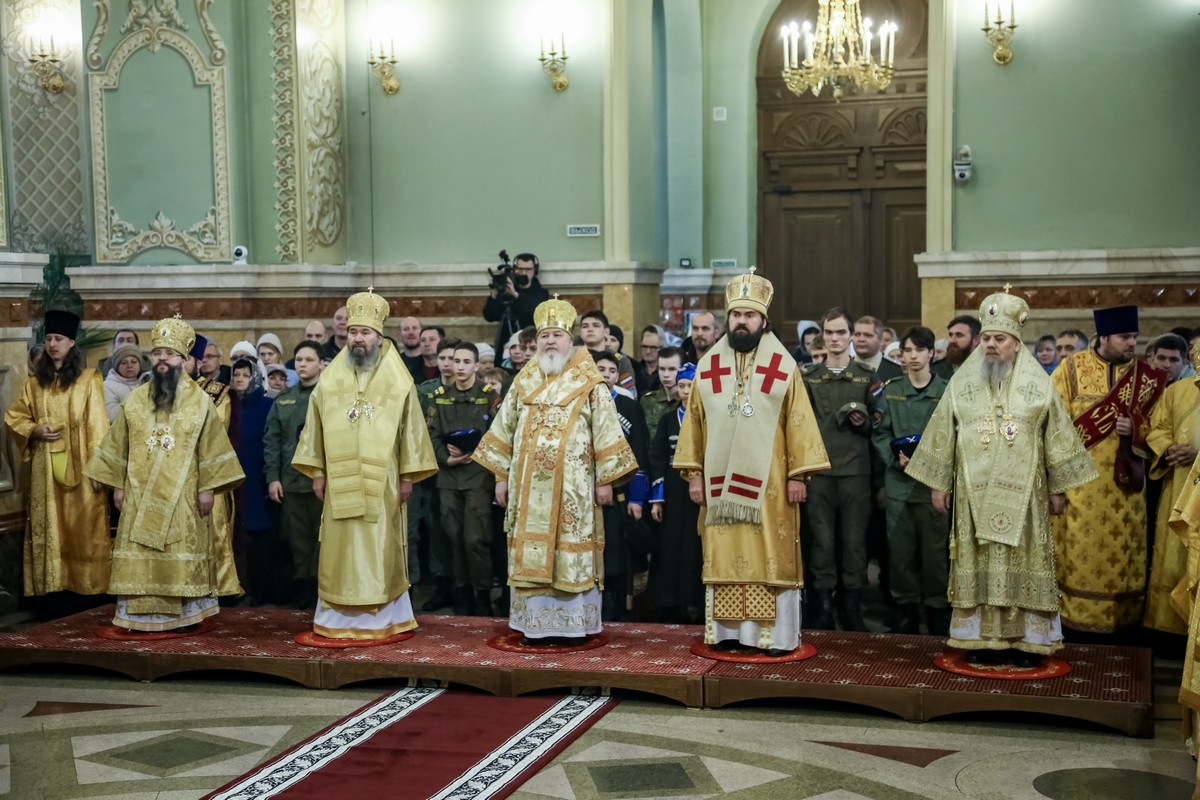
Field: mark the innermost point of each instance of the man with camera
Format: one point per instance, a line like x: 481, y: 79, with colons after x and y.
x: 515, y: 293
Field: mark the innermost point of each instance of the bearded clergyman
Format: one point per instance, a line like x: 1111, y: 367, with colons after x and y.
x: 364, y: 444
x: 1002, y: 445
x: 166, y: 457
x: 556, y: 448
x: 748, y: 444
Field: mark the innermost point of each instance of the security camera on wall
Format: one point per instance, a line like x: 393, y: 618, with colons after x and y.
x: 240, y: 254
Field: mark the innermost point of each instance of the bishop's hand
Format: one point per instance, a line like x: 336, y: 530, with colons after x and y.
x: 941, y: 501
x: 696, y: 491
x: 204, y: 503
x: 604, y: 496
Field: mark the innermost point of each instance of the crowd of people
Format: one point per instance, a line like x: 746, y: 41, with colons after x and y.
x: 857, y: 482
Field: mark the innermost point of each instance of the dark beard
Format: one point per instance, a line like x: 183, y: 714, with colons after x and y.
x: 744, y: 341
x: 162, y: 389
x: 956, y: 355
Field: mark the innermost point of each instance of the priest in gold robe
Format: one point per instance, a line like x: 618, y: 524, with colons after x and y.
x: 747, y: 444
x: 1002, y: 444
x: 1173, y: 439
x: 1101, y: 538
x: 1185, y: 525
x: 556, y: 449
x: 364, y: 444
x: 57, y: 420
x: 224, y: 562
x: 166, y: 457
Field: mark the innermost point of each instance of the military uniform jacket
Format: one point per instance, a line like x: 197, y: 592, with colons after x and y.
x: 285, y: 421
x: 834, y: 396
x: 451, y: 409
x: 904, y: 411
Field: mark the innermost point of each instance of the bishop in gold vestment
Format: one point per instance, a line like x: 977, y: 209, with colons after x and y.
x: 166, y: 456
x: 364, y: 444
x: 1101, y: 538
x: 1174, y: 429
x: 57, y: 421
x: 1001, y: 441
x: 746, y: 444
x: 556, y: 447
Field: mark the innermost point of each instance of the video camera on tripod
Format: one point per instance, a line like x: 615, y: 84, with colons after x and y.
x: 503, y: 272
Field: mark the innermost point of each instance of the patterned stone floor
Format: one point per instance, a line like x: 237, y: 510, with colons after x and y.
x: 85, y: 735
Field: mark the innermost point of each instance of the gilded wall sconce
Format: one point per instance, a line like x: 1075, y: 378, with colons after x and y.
x: 383, y: 66
x: 554, y: 63
x: 47, y: 66
x: 999, y: 34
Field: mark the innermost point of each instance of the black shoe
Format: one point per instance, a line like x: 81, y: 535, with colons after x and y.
x: 483, y: 602
x: 910, y: 619
x: 775, y: 652
x: 849, y: 614
x: 820, y: 610
x: 984, y: 658
x: 938, y: 620
x: 527, y: 642
x: 442, y: 596
x: 1022, y: 660
x: 464, y: 601
x: 727, y: 644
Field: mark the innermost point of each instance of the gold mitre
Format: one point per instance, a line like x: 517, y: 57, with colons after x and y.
x: 367, y: 309
x: 175, y: 334
x: 554, y: 313
x: 1003, y: 312
x: 749, y: 291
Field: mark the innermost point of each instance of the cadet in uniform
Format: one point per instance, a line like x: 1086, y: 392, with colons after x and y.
x: 458, y: 417
x: 918, y: 536
x: 843, y: 398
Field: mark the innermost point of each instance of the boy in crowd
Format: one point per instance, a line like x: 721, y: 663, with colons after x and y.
x: 918, y: 536
x: 300, y: 510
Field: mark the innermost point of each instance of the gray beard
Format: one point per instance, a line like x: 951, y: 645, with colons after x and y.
x: 995, y: 372
x: 162, y: 389
x: 552, y: 363
x: 364, y: 361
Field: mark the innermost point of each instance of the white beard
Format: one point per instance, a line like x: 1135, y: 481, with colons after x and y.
x: 995, y: 373
x: 552, y: 363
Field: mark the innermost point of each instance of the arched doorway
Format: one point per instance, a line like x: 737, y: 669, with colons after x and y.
x: 841, y: 187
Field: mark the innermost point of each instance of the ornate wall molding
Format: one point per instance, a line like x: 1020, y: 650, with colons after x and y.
x: 211, y: 35
x: 155, y: 16
x: 324, y: 163
x: 283, y: 100
x: 322, y: 134
x: 118, y: 241
x: 94, y: 57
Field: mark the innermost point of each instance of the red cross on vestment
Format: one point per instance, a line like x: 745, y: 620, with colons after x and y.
x: 771, y: 373
x: 715, y: 373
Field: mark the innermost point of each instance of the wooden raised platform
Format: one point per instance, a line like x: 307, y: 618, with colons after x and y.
x: 1108, y: 685
x: 1111, y: 686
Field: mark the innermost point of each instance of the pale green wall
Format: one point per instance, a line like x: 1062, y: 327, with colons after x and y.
x: 647, y: 134
x: 684, y: 107
x: 476, y: 152
x: 1087, y: 139
x: 732, y: 30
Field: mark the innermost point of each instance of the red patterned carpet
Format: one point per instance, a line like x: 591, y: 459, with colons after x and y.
x: 1109, y: 685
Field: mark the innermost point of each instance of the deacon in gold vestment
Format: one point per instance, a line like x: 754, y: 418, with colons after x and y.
x: 748, y: 393
x: 364, y: 444
x: 166, y: 456
x: 1185, y: 524
x: 1174, y: 437
x: 1002, y: 442
x: 57, y: 420
x: 1101, y: 538
x: 556, y: 447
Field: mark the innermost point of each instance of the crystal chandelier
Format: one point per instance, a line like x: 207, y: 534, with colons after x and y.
x: 842, y: 49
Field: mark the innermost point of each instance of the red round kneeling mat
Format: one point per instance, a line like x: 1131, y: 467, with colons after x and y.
x: 956, y: 661
x: 120, y: 634
x: 310, y: 639
x: 699, y: 648
x: 511, y: 643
